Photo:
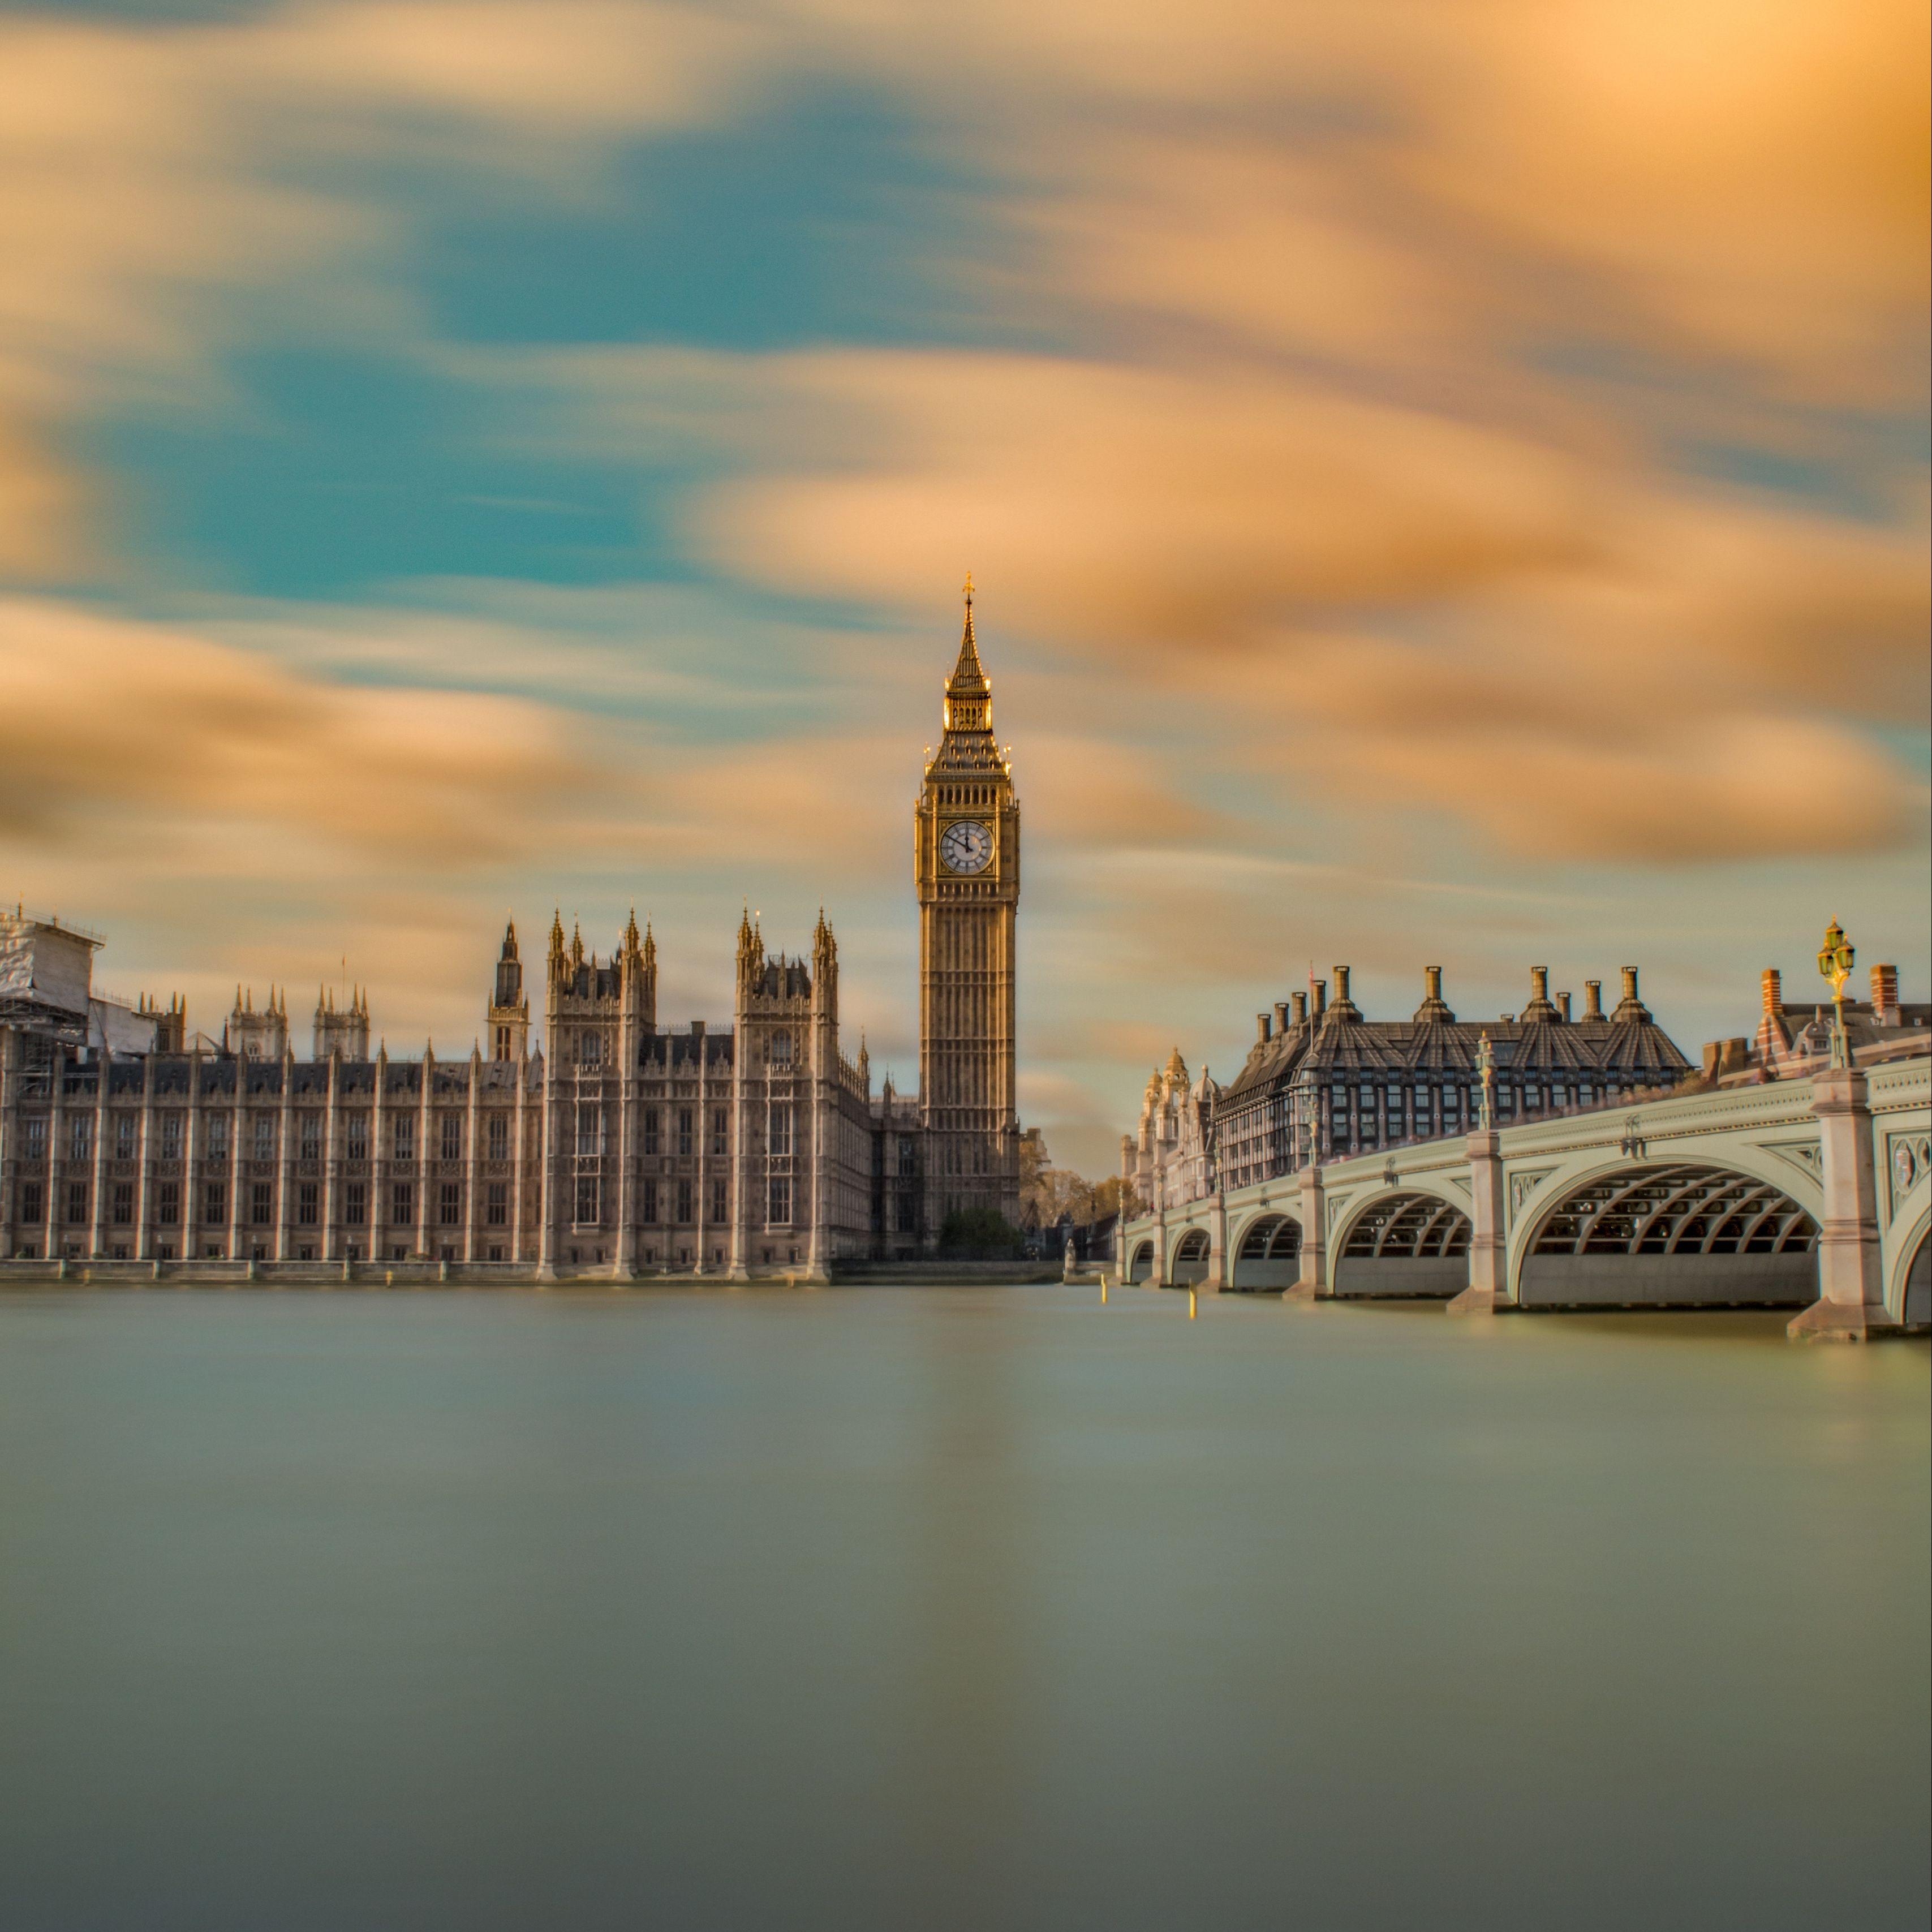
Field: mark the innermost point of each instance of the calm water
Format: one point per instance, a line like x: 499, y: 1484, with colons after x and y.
x: 973, y: 1608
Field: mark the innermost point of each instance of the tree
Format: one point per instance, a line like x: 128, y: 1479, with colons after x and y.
x: 1114, y: 1195
x: 980, y: 1234
x: 1049, y: 1194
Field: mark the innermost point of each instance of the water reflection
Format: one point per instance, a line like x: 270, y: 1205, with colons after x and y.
x: 953, y: 1608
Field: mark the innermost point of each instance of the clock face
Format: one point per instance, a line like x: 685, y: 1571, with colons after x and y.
x: 966, y: 847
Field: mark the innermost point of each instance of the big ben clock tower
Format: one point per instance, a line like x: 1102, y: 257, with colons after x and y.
x: 966, y: 862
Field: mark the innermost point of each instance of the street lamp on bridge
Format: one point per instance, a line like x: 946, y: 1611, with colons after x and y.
x: 1835, y: 960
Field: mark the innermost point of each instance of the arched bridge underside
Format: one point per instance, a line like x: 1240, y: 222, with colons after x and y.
x: 1406, y: 1245
x: 1918, y: 1296
x: 1270, y: 1256
x: 1190, y: 1258
x: 1686, y: 1237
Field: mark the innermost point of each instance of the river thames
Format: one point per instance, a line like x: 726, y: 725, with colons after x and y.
x: 952, y: 1608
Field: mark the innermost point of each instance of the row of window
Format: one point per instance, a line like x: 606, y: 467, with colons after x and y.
x: 1531, y: 1093
x: 683, y: 1130
x: 592, y: 1049
x: 260, y: 1200
x: 260, y: 1141
x: 680, y: 1199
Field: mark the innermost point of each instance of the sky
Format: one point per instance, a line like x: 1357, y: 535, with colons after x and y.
x: 1446, y: 485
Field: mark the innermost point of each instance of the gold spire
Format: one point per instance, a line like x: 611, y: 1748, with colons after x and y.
x: 967, y: 679
x: 969, y: 693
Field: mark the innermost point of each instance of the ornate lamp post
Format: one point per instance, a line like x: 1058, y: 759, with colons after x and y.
x: 1486, y: 1070
x: 1835, y: 960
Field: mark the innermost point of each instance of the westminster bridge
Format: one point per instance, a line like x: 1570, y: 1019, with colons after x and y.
x: 1812, y: 1192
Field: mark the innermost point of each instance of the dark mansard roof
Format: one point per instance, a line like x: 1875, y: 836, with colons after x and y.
x: 1341, y: 1046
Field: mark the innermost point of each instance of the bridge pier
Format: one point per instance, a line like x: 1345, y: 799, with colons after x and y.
x: 1313, y: 1285
x: 1850, y: 1305
x: 1216, y: 1279
x: 1488, y: 1290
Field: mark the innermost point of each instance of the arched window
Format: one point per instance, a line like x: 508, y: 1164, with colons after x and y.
x: 781, y: 1049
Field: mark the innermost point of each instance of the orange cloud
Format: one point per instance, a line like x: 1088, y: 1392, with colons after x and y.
x: 176, y: 731
x: 1207, y: 532
x: 1126, y: 505
x: 1748, y: 178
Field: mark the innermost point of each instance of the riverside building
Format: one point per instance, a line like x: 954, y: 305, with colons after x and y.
x: 585, y: 1135
x: 1323, y: 1083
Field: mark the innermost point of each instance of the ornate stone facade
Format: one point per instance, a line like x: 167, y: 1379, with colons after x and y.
x: 589, y: 1139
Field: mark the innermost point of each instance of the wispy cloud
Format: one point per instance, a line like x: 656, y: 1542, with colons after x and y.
x: 1458, y: 468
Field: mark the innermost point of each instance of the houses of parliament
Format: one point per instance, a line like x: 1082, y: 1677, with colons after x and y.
x: 582, y: 1136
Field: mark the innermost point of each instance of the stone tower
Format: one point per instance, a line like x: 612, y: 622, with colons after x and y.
x: 341, y: 1030
x: 509, y: 1015
x: 786, y: 1069
x: 252, y: 1036
x: 966, y: 864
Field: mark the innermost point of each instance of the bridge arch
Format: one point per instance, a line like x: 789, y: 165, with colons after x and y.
x: 1912, y: 1295
x: 1192, y: 1250
x: 1267, y: 1253
x: 1140, y: 1263
x: 1406, y: 1242
x: 1689, y: 1233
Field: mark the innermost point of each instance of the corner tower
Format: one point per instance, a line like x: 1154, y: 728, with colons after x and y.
x: 966, y: 865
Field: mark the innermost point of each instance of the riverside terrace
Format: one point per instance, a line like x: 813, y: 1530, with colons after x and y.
x: 1810, y: 1189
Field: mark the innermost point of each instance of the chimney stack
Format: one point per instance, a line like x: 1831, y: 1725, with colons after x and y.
x: 1300, y: 1008
x: 1433, y: 1007
x: 1341, y: 985
x: 1264, y: 1029
x: 1563, y: 1004
x: 1540, y: 1007
x: 1320, y: 997
x: 1281, y: 1016
x: 1885, y: 996
x: 1771, y: 986
x: 1630, y: 1008
x: 1593, y: 999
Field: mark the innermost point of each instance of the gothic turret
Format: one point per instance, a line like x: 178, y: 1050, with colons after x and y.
x: 751, y: 954
x: 509, y: 969
x: 638, y: 972
x: 825, y: 972
x: 509, y: 1017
